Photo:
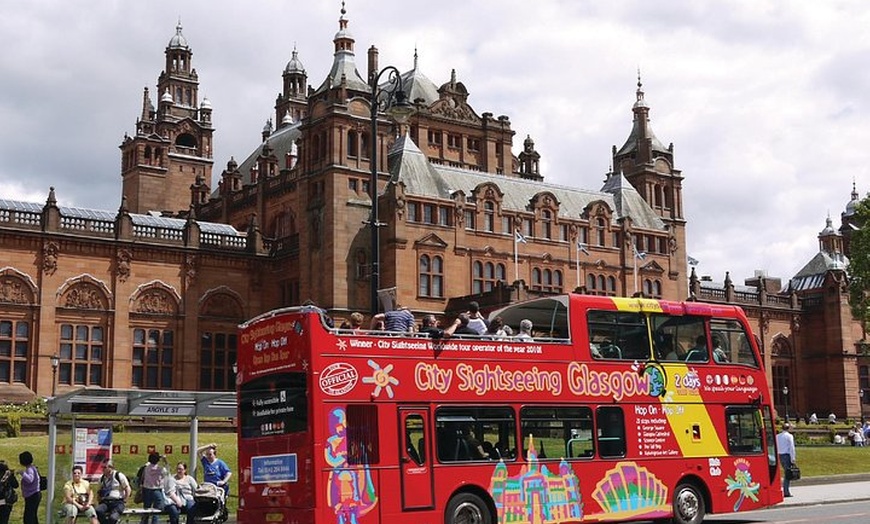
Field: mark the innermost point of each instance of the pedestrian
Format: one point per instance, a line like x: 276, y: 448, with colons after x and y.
x: 186, y: 486
x: 856, y: 435
x: 114, y: 491
x: 153, y: 475
x: 214, y: 470
x: 8, y: 495
x: 30, y: 488
x: 78, y: 499
x: 785, y: 448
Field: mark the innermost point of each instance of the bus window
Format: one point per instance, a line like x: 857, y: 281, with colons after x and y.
x: 558, y: 432
x: 744, y: 430
x: 679, y: 339
x: 362, y: 434
x: 734, y: 341
x: 274, y: 405
x: 618, y: 335
x: 611, y: 432
x: 415, y: 440
x: 463, y: 434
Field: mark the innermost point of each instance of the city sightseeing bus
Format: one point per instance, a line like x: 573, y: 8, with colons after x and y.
x: 618, y: 409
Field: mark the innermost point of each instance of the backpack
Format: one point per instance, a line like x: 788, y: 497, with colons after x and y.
x: 105, y: 489
x: 7, y: 491
x: 138, y: 497
x: 140, y: 476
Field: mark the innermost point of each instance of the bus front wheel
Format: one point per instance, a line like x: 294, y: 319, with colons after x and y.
x: 688, y: 504
x: 467, y: 508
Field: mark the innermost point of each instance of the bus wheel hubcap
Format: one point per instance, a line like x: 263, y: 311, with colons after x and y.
x: 687, y: 504
x: 467, y: 513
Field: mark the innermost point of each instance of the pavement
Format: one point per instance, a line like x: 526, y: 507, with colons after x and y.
x: 826, y: 490
x: 809, y: 491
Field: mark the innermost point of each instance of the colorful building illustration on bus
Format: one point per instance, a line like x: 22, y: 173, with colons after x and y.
x: 632, y: 491
x: 350, y: 489
x: 536, y: 495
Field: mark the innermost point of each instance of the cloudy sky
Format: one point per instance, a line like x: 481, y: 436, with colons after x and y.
x: 766, y: 102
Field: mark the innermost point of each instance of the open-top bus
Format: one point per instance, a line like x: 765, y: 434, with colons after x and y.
x: 618, y: 409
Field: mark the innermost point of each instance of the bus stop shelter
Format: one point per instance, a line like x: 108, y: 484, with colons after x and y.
x: 134, y: 402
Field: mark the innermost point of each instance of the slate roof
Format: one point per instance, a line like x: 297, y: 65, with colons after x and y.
x: 410, y: 166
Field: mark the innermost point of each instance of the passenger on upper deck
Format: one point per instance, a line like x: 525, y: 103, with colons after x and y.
x: 464, y: 328
x: 496, y: 329
x: 430, y: 327
x: 525, y: 330
x: 399, y: 319
x: 475, y: 319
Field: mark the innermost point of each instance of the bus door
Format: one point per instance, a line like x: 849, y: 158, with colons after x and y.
x: 415, y: 458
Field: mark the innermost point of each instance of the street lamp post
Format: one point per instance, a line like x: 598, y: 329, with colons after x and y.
x: 785, y: 395
x: 55, y: 363
x: 390, y: 98
x: 861, y: 403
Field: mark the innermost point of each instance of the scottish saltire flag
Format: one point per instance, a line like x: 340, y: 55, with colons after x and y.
x: 519, y: 238
x: 640, y: 255
x: 692, y: 261
x: 582, y: 247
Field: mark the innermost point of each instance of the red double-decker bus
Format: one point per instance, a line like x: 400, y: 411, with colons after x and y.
x: 616, y: 409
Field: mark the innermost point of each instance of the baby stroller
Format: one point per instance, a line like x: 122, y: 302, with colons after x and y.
x: 210, y: 504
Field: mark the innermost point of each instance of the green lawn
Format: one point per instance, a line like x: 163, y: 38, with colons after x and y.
x: 832, y: 460
x: 124, y: 461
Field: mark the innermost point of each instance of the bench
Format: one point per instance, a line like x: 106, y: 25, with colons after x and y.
x: 135, y: 515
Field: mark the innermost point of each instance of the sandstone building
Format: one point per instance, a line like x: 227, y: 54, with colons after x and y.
x: 149, y: 295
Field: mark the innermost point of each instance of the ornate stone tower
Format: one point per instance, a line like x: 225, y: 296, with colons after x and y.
x: 172, y: 146
x: 649, y: 166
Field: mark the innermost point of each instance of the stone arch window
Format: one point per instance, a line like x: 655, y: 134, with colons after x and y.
x: 591, y: 283
x: 547, y: 223
x: 652, y: 288
x: 657, y: 195
x: 147, y: 155
x: 361, y: 264
x: 283, y: 225
x: 547, y: 280
x: 485, y: 275
x: 154, y: 321
x: 17, y: 292
x: 611, y: 286
x: 220, y: 312
x: 352, y: 143
x: 431, y: 276
x: 600, y: 232
x: 186, y: 140
x: 83, y: 323
x: 489, y: 216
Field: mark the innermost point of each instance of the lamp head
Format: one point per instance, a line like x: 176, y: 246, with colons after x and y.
x: 400, y: 110
x: 55, y: 361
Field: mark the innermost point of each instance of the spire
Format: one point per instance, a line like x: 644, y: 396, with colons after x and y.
x: 415, y: 57
x: 147, y: 106
x: 642, y: 140
x: 343, y: 63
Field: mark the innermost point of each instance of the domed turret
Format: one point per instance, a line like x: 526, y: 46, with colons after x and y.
x: 178, y: 41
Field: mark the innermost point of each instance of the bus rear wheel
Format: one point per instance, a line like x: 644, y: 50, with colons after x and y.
x: 688, y: 504
x: 467, y: 508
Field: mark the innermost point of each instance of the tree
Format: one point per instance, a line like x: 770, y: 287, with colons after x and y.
x: 859, y: 265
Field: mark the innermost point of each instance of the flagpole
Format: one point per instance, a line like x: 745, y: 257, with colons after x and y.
x: 516, y: 263
x: 635, y: 273
x: 577, y: 245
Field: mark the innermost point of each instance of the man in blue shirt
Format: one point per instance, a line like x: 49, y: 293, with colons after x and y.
x: 214, y: 470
